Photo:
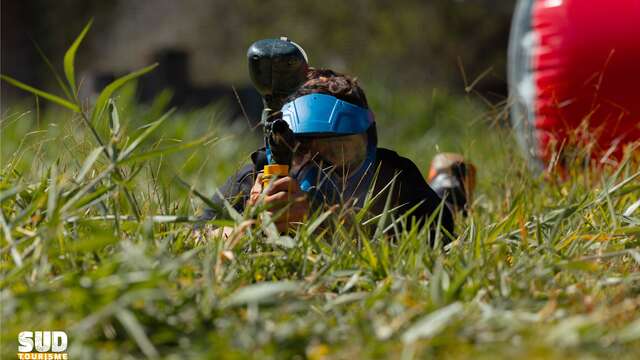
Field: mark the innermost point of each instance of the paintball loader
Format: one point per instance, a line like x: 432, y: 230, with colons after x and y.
x: 277, y: 68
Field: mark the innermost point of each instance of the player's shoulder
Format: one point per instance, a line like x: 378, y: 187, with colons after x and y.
x: 392, y: 159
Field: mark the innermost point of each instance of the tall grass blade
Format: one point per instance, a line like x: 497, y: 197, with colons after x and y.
x: 15, y: 254
x: 104, y: 96
x: 165, y: 150
x: 133, y: 327
x: 88, y: 163
x: 260, y: 293
x: 59, y: 80
x: 114, y: 119
x: 432, y: 324
x: 45, y: 95
x: 632, y: 208
x: 52, y: 201
x: 69, y: 59
x: 150, y: 128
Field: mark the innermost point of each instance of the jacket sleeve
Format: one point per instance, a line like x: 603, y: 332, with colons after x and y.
x: 235, y: 190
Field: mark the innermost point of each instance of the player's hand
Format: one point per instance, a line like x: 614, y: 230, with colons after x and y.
x: 281, y: 193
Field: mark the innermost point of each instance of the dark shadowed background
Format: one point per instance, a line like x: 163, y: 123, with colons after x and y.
x: 201, y: 44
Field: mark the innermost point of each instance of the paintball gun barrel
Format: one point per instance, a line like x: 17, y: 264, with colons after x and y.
x: 277, y: 68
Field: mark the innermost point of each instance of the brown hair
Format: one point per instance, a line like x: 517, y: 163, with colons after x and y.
x: 325, y: 81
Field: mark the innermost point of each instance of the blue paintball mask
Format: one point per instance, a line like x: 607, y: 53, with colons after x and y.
x: 335, y: 152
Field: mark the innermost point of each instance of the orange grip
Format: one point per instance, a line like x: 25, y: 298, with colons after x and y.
x: 274, y: 170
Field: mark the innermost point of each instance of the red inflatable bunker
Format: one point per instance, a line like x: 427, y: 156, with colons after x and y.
x: 574, y: 76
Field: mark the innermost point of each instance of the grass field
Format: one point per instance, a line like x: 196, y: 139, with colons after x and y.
x: 98, y: 240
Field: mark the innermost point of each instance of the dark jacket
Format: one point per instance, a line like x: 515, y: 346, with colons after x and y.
x: 409, y: 190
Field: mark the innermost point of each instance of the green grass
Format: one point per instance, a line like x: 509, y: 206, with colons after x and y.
x: 542, y: 269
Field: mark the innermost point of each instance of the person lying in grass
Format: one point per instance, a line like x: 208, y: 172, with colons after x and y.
x: 335, y: 161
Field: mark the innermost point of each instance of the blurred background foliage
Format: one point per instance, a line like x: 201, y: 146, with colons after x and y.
x: 401, y: 45
x: 415, y: 59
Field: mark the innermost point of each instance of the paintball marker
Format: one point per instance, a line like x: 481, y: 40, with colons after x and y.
x: 277, y: 68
